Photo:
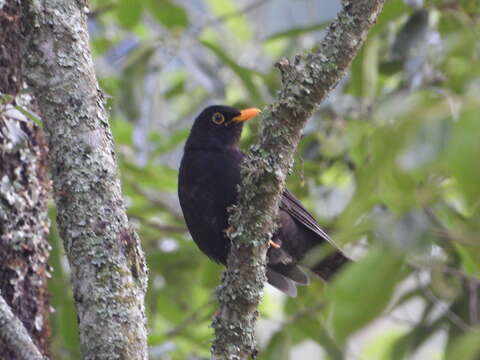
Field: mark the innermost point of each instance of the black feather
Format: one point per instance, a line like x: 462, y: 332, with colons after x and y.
x: 208, y: 179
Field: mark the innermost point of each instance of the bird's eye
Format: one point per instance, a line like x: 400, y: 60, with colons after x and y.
x: 218, y: 118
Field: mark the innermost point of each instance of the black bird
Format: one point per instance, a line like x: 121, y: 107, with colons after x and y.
x: 207, y: 186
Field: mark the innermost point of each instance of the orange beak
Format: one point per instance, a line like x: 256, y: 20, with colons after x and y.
x: 247, y: 114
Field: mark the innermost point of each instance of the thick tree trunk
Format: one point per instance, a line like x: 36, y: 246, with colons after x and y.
x: 109, y: 275
x: 24, y: 188
x: 305, y: 83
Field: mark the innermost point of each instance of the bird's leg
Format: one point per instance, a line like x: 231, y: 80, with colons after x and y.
x: 274, y: 244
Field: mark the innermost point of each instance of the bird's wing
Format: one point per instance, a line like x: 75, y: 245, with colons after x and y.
x: 295, y: 209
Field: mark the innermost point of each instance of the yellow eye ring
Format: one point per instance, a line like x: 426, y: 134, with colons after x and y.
x: 218, y: 118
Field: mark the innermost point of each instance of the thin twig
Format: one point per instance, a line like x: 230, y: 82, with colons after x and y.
x: 450, y: 315
x: 304, y: 312
x: 157, y: 199
x: 193, y: 317
x: 446, y: 270
x: 242, y: 11
x: 473, y: 301
x: 166, y: 228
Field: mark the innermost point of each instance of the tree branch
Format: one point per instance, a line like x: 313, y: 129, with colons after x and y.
x: 15, y: 336
x: 305, y: 83
x: 108, y: 266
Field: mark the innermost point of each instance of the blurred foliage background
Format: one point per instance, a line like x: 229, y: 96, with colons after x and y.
x: 389, y: 164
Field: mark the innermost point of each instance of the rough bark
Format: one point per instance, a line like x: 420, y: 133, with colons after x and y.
x: 24, y: 189
x: 24, y: 224
x: 305, y: 83
x: 108, y: 268
x: 15, y: 337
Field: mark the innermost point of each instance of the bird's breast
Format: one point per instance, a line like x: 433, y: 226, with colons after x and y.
x: 207, y: 187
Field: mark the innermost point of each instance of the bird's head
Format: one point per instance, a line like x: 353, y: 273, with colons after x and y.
x: 219, y: 127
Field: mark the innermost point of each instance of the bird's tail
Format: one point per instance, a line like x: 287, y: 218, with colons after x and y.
x: 330, y: 265
x: 287, y: 277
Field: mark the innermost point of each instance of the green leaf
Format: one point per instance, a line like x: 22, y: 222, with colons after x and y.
x: 5, y: 98
x: 122, y: 131
x: 309, y: 327
x: 243, y: 73
x: 410, y: 342
x: 278, y: 347
x: 466, y: 347
x: 355, y: 84
x: 64, y: 320
x: 470, y: 256
x: 364, y: 73
x: 164, y: 144
x: 128, y: 12
x: 362, y: 291
x: 175, y: 313
x: 392, y: 10
x: 370, y: 67
x: 168, y: 13
x: 152, y: 175
x: 380, y: 347
x: 178, y: 88
x: 236, y: 21
x: 30, y: 115
x: 463, y: 148
x: 390, y: 67
x: 131, y: 85
x: 293, y: 32
x: 472, y: 7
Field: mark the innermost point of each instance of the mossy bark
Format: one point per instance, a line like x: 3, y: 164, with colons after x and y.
x: 109, y: 274
x: 24, y: 189
x: 305, y: 83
